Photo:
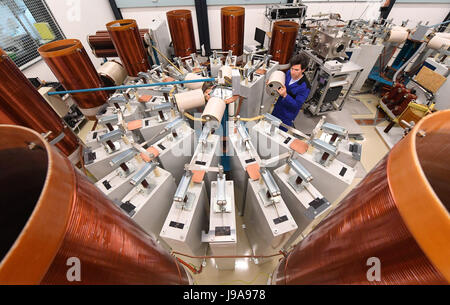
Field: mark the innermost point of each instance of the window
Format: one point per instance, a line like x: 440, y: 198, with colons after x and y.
x: 25, y: 25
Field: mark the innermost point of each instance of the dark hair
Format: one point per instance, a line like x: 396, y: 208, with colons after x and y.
x: 299, y: 59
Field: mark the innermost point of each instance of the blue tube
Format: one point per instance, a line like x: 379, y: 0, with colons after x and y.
x: 432, y: 26
x: 133, y: 86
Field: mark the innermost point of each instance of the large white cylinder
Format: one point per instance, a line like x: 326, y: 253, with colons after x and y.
x: 276, y: 81
x: 214, y: 110
x: 438, y: 42
x: 190, y: 100
x: 112, y: 73
x: 193, y: 86
x: 397, y: 34
x: 225, y: 72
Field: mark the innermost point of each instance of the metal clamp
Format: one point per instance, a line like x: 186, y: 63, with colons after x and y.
x: 300, y: 170
x: 111, y: 136
x: 183, y: 187
x: 109, y: 119
x: 324, y: 147
x: 335, y: 129
x: 272, y: 186
x: 142, y: 174
x: 221, y: 192
x: 123, y: 157
x: 274, y: 122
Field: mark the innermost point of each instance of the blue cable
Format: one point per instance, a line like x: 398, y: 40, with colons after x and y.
x: 133, y: 86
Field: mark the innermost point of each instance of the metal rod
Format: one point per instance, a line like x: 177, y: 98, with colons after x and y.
x: 133, y: 86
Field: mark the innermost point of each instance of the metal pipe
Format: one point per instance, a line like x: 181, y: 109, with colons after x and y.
x: 135, y: 86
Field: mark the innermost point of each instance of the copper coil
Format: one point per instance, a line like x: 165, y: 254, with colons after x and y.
x: 103, y: 53
x: 22, y: 104
x: 399, y: 214
x: 128, y: 44
x: 284, y: 34
x: 73, y: 68
x: 141, y: 31
x: 182, y: 32
x: 102, y: 41
x: 58, y: 214
x: 233, y: 21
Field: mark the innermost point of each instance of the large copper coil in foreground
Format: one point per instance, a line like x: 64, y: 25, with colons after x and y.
x: 128, y: 44
x: 73, y: 68
x: 55, y: 214
x: 398, y: 214
x: 284, y: 34
x: 22, y: 104
x: 233, y: 21
x: 182, y: 32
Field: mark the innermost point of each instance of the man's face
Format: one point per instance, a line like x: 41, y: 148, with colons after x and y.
x: 296, y: 71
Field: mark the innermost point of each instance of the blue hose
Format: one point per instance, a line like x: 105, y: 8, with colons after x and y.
x: 133, y: 86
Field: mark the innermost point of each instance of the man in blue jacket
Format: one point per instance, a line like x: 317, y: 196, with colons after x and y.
x: 294, y: 93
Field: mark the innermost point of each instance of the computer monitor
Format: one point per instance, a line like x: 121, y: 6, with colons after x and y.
x: 260, y: 36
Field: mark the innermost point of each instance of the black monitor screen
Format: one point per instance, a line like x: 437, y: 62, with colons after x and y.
x: 260, y: 35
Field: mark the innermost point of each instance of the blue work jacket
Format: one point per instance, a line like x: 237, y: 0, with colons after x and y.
x: 287, y: 109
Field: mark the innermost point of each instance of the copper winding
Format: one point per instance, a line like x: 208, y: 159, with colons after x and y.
x: 129, y: 45
x: 59, y: 214
x: 73, y: 68
x: 102, y: 45
x: 182, y: 32
x: 103, y: 53
x: 22, y: 104
x: 399, y: 214
x: 233, y: 21
x: 284, y: 34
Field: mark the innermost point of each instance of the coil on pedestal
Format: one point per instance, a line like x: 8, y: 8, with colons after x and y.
x: 128, y: 43
x: 233, y: 22
x: 182, y: 32
x: 73, y: 68
x: 284, y: 34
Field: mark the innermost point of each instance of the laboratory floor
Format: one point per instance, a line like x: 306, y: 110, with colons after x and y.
x: 246, y: 271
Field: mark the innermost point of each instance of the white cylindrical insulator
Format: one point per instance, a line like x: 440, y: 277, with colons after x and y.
x: 193, y: 86
x: 438, y: 42
x: 397, y: 34
x: 112, y: 73
x: 214, y: 110
x: 225, y: 72
x: 190, y: 100
x: 276, y: 81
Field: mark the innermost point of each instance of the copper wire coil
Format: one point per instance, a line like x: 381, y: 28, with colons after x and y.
x: 103, y: 53
x: 182, y: 32
x: 58, y: 214
x: 399, y: 214
x: 22, y: 104
x: 233, y: 21
x: 129, y: 46
x: 72, y: 67
x: 102, y: 45
x: 100, y: 42
x: 284, y: 34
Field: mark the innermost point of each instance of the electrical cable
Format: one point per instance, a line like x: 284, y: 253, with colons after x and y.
x: 168, y: 60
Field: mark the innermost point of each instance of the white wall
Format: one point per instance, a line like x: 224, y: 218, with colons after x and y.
x: 77, y: 19
x: 94, y: 14
x: 254, y: 16
x: 434, y: 13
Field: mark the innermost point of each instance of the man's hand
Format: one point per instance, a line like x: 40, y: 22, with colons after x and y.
x: 282, y: 91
